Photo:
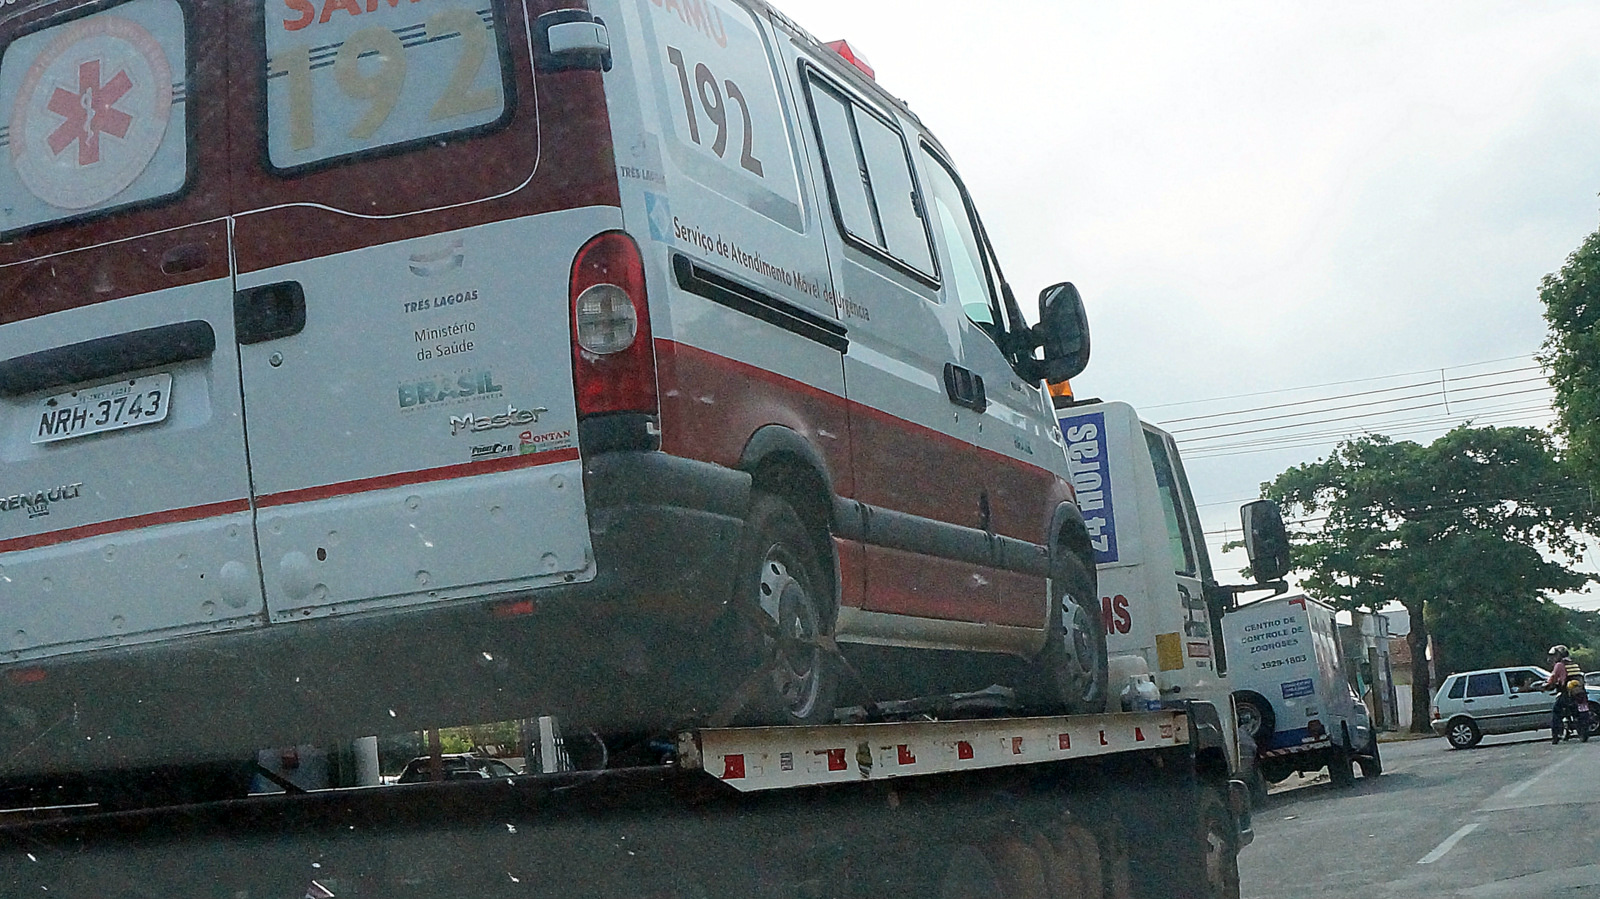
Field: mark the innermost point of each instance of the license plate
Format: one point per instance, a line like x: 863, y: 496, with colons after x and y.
x: 108, y: 407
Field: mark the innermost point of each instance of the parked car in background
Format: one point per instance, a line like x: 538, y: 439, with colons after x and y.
x: 455, y: 766
x: 1495, y: 701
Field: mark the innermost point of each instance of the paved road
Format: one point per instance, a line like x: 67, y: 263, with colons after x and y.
x: 1515, y: 818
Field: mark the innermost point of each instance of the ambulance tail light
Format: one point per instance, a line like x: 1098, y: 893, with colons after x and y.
x: 613, y: 355
x: 849, y: 54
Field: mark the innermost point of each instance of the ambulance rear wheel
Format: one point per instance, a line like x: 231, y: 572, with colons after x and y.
x: 781, y: 575
x: 1070, y: 673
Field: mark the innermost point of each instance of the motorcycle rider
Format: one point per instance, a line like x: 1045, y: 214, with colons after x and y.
x: 1563, y: 673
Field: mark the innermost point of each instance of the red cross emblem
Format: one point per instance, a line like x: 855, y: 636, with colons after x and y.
x: 89, y: 112
x: 93, y: 108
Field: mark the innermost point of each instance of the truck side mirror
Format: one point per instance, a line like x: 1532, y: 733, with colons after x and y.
x: 1063, y: 331
x: 1265, y: 540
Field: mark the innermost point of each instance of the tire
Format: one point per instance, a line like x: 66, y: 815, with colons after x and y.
x: 1371, y: 765
x: 1219, y: 847
x: 1070, y: 673
x: 1463, y: 733
x: 781, y: 574
x: 1341, y: 766
x: 1255, y: 717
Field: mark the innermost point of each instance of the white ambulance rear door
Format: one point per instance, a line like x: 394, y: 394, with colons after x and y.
x: 124, y: 509
x: 405, y: 229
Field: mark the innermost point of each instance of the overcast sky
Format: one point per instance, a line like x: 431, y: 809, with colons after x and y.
x: 1270, y: 203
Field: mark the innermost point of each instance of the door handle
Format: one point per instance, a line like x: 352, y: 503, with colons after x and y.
x: 964, y: 387
x: 106, y: 357
x: 269, y: 312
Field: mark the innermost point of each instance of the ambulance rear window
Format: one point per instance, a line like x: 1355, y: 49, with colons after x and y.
x: 96, y: 110
x: 381, y: 77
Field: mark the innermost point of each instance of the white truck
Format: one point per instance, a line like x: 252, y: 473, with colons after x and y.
x: 1293, y: 694
x: 1160, y: 602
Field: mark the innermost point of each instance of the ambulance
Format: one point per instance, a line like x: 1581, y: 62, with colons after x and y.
x: 372, y: 365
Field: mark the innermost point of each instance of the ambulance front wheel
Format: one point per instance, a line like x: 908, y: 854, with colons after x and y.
x: 1070, y: 672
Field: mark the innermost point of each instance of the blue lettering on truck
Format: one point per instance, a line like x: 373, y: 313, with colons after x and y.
x: 1091, y: 480
x: 1296, y: 688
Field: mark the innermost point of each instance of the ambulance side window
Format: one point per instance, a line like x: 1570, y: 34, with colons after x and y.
x: 98, y: 115
x: 969, y: 272
x: 1178, y: 538
x: 869, y: 178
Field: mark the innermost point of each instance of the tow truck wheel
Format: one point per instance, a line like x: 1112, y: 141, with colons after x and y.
x: 781, y: 574
x: 1220, y: 853
x: 1071, y: 671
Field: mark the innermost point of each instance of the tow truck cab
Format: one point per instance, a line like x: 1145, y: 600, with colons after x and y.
x: 1160, y: 601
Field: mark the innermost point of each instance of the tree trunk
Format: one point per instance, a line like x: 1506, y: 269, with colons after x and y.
x: 1421, y: 684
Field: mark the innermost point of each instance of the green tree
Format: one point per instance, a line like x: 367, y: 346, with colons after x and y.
x: 1572, y: 353
x: 1452, y: 530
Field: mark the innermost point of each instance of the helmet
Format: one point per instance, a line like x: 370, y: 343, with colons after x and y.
x: 1560, y: 651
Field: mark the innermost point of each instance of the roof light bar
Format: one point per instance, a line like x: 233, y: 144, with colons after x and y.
x: 852, y: 57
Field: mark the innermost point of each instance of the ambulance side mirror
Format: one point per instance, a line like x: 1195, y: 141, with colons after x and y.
x: 1063, y: 331
x: 1265, y: 540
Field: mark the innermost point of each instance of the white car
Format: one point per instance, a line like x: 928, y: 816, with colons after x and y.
x: 1493, y: 701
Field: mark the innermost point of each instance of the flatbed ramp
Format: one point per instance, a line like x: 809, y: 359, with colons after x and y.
x: 731, y: 818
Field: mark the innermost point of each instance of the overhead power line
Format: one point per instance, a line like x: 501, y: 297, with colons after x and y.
x: 1324, y: 399
x: 1370, y: 403
x: 1413, y: 426
x: 1390, y: 377
x: 1429, y: 405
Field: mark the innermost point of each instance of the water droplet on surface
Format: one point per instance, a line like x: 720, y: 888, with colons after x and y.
x: 550, y: 562
x: 111, y: 553
x: 413, y: 503
x: 121, y: 623
x: 424, y: 578
x: 47, y: 585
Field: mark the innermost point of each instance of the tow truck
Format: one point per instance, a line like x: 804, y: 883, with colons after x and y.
x: 951, y: 795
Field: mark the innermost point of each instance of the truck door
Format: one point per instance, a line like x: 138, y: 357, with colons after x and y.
x: 405, y: 228
x: 126, y: 515
x: 1193, y: 646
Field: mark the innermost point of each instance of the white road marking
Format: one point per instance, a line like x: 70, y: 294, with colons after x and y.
x: 1449, y: 843
x: 1517, y: 790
